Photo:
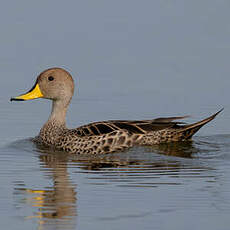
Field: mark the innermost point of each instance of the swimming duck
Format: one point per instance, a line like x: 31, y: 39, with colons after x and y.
x: 57, y: 85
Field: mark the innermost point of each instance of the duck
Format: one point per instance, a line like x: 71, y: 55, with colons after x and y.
x: 57, y: 85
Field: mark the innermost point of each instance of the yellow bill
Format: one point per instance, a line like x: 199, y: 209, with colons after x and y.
x: 34, y: 93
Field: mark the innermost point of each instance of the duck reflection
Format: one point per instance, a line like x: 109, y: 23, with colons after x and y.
x: 63, y: 196
x: 140, y: 157
x: 185, y: 149
x: 57, y: 206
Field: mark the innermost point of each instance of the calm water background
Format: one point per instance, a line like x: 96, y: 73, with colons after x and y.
x: 130, y: 60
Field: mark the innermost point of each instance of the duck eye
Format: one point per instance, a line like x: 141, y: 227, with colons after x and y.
x: 50, y: 78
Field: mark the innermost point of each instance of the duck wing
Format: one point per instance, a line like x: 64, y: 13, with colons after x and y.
x: 132, y: 126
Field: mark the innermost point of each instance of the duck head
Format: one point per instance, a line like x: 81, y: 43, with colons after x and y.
x: 55, y: 84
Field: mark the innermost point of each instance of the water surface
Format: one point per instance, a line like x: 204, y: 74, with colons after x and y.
x: 130, y: 60
x: 140, y: 188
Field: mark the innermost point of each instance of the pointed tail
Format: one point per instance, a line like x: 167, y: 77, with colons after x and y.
x: 189, y: 130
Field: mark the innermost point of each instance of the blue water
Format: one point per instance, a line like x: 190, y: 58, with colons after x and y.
x: 129, y: 60
x: 172, y: 186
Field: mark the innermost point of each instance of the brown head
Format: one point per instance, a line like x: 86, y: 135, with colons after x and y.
x: 55, y: 84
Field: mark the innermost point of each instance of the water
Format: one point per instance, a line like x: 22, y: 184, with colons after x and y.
x: 184, y: 183
x: 130, y: 60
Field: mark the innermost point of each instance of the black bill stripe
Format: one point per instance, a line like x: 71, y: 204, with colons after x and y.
x: 16, y: 99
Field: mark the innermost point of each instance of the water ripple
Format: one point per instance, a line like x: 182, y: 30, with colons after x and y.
x: 48, y: 185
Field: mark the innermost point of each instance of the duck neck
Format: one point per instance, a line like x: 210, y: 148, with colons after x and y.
x: 52, y: 129
x: 58, y: 114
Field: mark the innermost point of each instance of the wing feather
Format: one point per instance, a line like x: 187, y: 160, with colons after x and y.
x: 138, y: 127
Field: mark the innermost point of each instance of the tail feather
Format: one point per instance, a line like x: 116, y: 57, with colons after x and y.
x: 190, y: 130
